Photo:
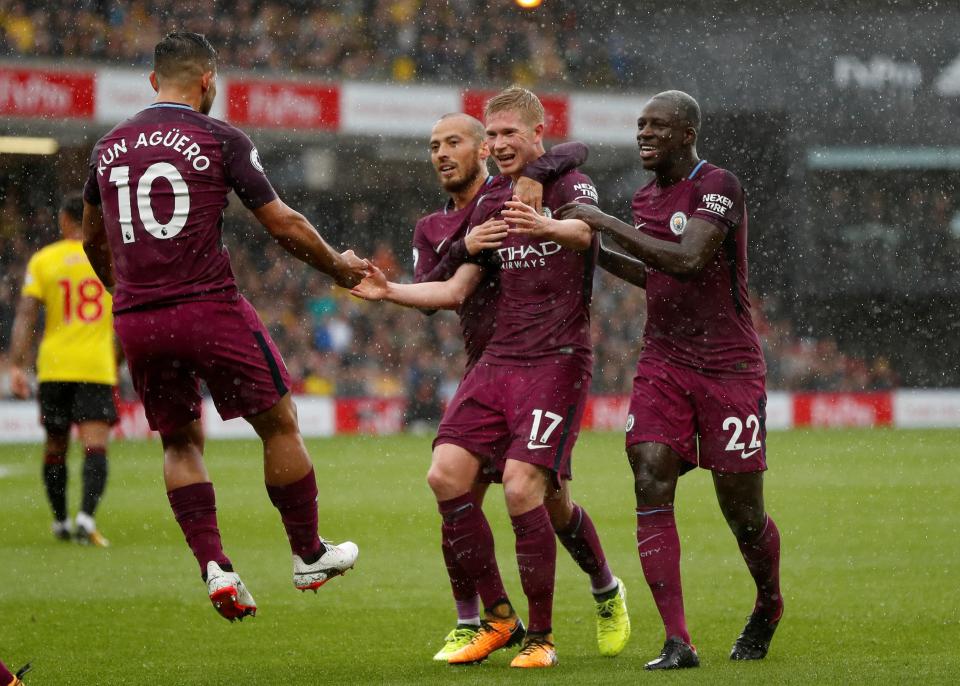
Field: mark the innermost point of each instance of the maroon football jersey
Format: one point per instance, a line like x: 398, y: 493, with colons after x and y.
x: 701, y: 322
x: 162, y: 178
x: 543, y: 312
x: 438, y: 249
x: 432, y: 238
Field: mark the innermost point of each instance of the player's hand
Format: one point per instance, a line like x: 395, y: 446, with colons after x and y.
x: 19, y: 384
x: 588, y: 214
x: 351, y: 269
x: 486, y: 236
x: 374, y: 285
x: 529, y: 192
x: 526, y: 220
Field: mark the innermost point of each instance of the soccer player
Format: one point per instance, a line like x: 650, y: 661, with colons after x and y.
x: 698, y: 395
x: 152, y: 223
x: 7, y: 678
x: 76, y: 368
x: 458, y: 154
x: 521, y: 403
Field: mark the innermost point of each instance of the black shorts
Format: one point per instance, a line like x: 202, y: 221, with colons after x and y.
x: 63, y: 403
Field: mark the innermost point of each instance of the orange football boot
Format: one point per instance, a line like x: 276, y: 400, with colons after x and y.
x: 494, y: 634
x: 537, y: 651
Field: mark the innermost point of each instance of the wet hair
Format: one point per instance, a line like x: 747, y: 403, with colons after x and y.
x: 72, y: 206
x: 684, y: 105
x: 183, y: 54
x: 474, y: 128
x: 519, y: 99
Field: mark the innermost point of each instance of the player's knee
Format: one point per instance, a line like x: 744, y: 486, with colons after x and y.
x: 649, y: 487
x: 747, y: 523
x: 438, y: 479
x: 523, y: 492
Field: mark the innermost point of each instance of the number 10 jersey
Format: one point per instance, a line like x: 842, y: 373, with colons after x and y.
x: 162, y: 178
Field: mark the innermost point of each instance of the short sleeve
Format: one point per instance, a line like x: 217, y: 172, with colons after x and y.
x: 425, y: 257
x: 32, y: 285
x: 91, y: 189
x: 244, y: 172
x: 579, y: 188
x: 719, y: 200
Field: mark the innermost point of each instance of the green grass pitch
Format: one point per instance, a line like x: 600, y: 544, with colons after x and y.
x: 870, y: 521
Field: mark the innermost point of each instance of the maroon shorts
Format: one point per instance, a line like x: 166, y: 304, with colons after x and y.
x: 170, y: 349
x: 686, y: 410
x: 529, y: 414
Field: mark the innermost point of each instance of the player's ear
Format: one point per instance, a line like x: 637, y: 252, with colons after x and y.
x: 690, y: 136
x: 154, y: 82
x: 538, y: 133
x: 206, y: 81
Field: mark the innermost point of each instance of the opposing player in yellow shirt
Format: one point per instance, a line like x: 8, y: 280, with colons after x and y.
x: 76, y: 367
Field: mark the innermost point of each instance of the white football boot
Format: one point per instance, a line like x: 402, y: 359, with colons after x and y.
x: 336, y: 561
x: 228, y: 594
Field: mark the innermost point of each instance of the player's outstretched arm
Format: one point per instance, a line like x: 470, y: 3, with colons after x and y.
x: 696, y: 248
x: 569, y: 233
x: 628, y: 268
x: 431, y: 295
x: 95, y: 245
x: 298, y: 237
x: 24, y: 325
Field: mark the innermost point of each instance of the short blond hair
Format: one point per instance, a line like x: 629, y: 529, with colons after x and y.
x: 518, y: 99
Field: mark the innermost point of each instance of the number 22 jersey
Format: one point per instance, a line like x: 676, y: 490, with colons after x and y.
x: 162, y: 178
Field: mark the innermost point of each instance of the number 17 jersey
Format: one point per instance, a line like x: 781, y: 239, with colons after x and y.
x: 162, y: 178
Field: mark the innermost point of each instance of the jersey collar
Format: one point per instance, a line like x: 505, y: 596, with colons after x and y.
x: 175, y: 105
x: 448, y: 206
x: 696, y: 169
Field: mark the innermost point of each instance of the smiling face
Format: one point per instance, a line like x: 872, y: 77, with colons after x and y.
x: 513, y: 141
x: 457, y: 152
x: 664, y: 135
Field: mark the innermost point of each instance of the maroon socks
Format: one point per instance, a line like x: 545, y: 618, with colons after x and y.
x: 462, y: 584
x: 762, y: 556
x: 297, y: 503
x: 466, y: 533
x: 659, y: 547
x: 537, y: 561
x: 195, y: 508
x: 582, y: 542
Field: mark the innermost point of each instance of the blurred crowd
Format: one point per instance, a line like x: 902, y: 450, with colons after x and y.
x: 402, y: 40
x: 334, y: 344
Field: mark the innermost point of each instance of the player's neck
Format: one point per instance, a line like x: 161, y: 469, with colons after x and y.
x: 677, y: 171
x: 178, y: 96
x: 461, y: 199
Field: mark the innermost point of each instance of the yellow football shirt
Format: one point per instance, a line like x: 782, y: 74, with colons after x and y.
x: 77, y: 340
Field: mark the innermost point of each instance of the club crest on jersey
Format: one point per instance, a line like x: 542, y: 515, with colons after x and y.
x: 546, y: 212
x: 255, y: 160
x: 631, y: 420
x: 678, y: 222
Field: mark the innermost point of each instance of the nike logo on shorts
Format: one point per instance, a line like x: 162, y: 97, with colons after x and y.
x: 744, y: 455
x: 440, y: 246
x: 640, y: 225
x: 536, y: 446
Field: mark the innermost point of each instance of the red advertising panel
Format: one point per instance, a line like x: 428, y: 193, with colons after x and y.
x: 606, y: 412
x: 283, y: 104
x: 369, y: 415
x: 37, y: 93
x: 555, y: 106
x: 843, y: 409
